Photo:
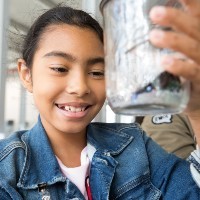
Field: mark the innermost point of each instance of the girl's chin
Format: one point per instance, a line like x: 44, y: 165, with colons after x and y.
x: 72, y: 128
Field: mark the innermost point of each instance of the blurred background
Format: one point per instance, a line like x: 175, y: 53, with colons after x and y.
x: 17, y: 110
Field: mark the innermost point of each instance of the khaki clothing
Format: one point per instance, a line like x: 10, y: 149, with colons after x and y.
x: 173, y: 132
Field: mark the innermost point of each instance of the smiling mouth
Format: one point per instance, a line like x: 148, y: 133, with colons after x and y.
x: 72, y: 108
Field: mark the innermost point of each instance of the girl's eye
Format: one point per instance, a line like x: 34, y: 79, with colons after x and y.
x: 59, y: 69
x: 97, y: 74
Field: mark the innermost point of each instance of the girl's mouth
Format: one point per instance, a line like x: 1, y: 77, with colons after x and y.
x: 73, y: 109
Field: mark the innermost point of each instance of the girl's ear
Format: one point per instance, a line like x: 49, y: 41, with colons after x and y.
x: 25, y: 75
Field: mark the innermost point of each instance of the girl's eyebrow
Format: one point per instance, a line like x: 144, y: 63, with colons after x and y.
x: 93, y: 61
x: 64, y: 55
x: 71, y: 58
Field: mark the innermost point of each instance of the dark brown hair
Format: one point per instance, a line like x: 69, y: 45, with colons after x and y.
x: 57, y: 15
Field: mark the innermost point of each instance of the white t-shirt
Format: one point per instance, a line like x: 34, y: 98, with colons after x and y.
x: 77, y: 175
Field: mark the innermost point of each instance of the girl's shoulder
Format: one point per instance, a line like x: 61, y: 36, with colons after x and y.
x: 12, y: 157
x: 11, y: 144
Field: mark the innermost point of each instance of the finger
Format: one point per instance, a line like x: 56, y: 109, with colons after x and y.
x: 178, y: 42
x: 191, y: 6
x: 176, y: 19
x: 184, y: 68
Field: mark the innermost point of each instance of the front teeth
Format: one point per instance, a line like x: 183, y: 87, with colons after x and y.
x: 74, y: 109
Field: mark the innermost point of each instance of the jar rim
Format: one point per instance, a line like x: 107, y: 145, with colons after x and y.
x: 102, y: 4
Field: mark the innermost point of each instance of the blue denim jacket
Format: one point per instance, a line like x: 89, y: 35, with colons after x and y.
x: 126, y: 165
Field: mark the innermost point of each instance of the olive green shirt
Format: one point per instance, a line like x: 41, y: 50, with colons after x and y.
x: 173, y: 132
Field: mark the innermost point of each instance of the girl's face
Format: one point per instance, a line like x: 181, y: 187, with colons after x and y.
x: 67, y: 78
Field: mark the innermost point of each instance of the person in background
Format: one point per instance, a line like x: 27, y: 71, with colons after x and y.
x: 173, y: 132
x: 65, y: 155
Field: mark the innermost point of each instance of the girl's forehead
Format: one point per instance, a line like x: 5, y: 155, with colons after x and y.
x: 67, y: 29
x: 63, y: 32
x: 70, y: 39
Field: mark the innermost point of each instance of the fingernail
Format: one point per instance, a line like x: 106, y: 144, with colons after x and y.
x: 157, y: 12
x: 156, y: 35
x: 167, y: 61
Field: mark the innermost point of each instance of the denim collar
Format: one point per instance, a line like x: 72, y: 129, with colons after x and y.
x: 109, y: 137
x: 40, y: 164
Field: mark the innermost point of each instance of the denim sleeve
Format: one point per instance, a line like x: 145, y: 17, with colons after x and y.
x: 170, y: 174
x: 4, y: 195
x: 194, y: 159
x: 8, y: 193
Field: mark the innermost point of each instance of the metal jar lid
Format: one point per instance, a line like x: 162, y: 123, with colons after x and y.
x: 102, y: 4
x: 173, y: 3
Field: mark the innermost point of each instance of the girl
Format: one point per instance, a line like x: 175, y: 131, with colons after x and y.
x: 64, y: 156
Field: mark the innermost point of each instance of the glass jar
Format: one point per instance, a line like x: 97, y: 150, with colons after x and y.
x: 136, y: 83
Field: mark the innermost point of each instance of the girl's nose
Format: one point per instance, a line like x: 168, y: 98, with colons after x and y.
x: 78, y: 85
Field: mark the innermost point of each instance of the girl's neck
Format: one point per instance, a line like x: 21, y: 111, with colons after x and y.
x: 67, y: 147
